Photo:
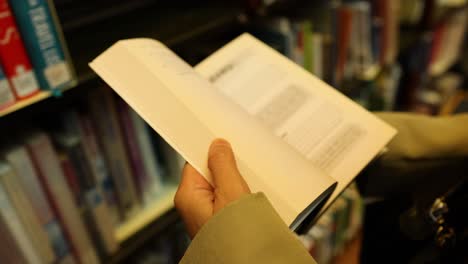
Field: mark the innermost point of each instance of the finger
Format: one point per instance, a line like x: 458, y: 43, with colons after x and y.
x: 192, y: 178
x: 190, y: 182
x: 222, y: 164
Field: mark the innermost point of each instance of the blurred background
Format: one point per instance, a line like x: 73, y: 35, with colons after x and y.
x: 84, y: 178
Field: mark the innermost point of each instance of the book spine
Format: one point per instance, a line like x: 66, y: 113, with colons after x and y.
x: 133, y: 150
x: 10, y: 251
x: 89, y: 198
x: 308, y: 46
x: 7, y: 98
x: 392, y: 11
x: 13, y: 56
x: 96, y: 160
x: 42, y: 39
x: 51, y: 175
x: 28, y: 178
x: 299, y: 44
x: 8, y: 213
x: 28, y: 218
x: 354, y: 62
x: 332, y: 47
x: 317, y: 43
x: 344, y: 33
x: 70, y: 177
x: 99, y: 214
x: 150, y: 159
x: 106, y: 121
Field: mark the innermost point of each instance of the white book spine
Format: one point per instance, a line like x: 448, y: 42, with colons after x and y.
x: 19, y: 159
x: 12, y: 220
x: 27, y: 216
x: 54, y: 179
x: 317, y: 44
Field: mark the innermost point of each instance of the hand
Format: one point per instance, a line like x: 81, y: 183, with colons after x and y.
x: 196, y: 200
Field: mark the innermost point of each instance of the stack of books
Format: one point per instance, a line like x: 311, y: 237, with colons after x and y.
x: 63, y: 192
x: 33, y: 54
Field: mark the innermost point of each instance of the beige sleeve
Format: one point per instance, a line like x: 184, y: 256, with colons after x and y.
x: 425, y: 150
x: 422, y: 137
x: 246, y: 231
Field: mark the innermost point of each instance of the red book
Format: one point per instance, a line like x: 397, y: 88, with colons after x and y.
x: 60, y: 197
x: 436, y: 43
x: 70, y: 176
x: 13, y: 56
x: 344, y: 33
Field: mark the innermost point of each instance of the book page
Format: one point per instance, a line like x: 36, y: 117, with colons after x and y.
x: 328, y: 129
x: 189, y: 112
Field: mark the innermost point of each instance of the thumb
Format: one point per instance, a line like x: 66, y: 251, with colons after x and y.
x: 222, y: 164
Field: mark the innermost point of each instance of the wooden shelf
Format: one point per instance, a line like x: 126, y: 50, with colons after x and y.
x: 42, y: 95
x: 148, y: 214
x: 26, y: 102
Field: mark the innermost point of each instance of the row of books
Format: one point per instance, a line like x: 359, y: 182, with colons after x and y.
x: 342, y: 40
x: 33, y: 55
x: 64, y: 191
x: 431, y: 61
x: 334, y: 230
x: 355, y: 46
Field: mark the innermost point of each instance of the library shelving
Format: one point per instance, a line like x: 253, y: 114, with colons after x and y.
x: 150, y: 212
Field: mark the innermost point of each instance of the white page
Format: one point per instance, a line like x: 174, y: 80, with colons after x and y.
x: 332, y: 132
x: 188, y: 112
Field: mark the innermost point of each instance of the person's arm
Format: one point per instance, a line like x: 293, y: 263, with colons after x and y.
x: 228, y: 224
x: 425, y: 150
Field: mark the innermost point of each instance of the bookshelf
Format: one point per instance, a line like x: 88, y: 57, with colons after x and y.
x: 193, y: 30
x: 161, y: 205
x: 25, y: 103
x: 205, y: 20
x: 40, y: 96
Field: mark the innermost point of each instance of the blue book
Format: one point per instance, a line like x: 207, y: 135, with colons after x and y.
x: 43, y: 42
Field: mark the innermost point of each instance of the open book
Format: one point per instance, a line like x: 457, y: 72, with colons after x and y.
x: 295, y: 138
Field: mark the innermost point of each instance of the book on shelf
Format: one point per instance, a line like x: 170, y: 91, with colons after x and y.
x: 88, y: 195
x: 142, y: 157
x: 44, y: 42
x: 140, y: 177
x: 97, y: 163
x: 388, y: 11
x: 10, y: 251
x: 13, y: 56
x: 29, y: 220
x: 266, y: 106
x: 13, y: 222
x: 70, y: 176
x: 104, y: 113
x: 60, y: 196
x: 93, y: 210
x: 20, y: 160
x: 343, y: 43
x: 7, y: 98
x: 448, y: 39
